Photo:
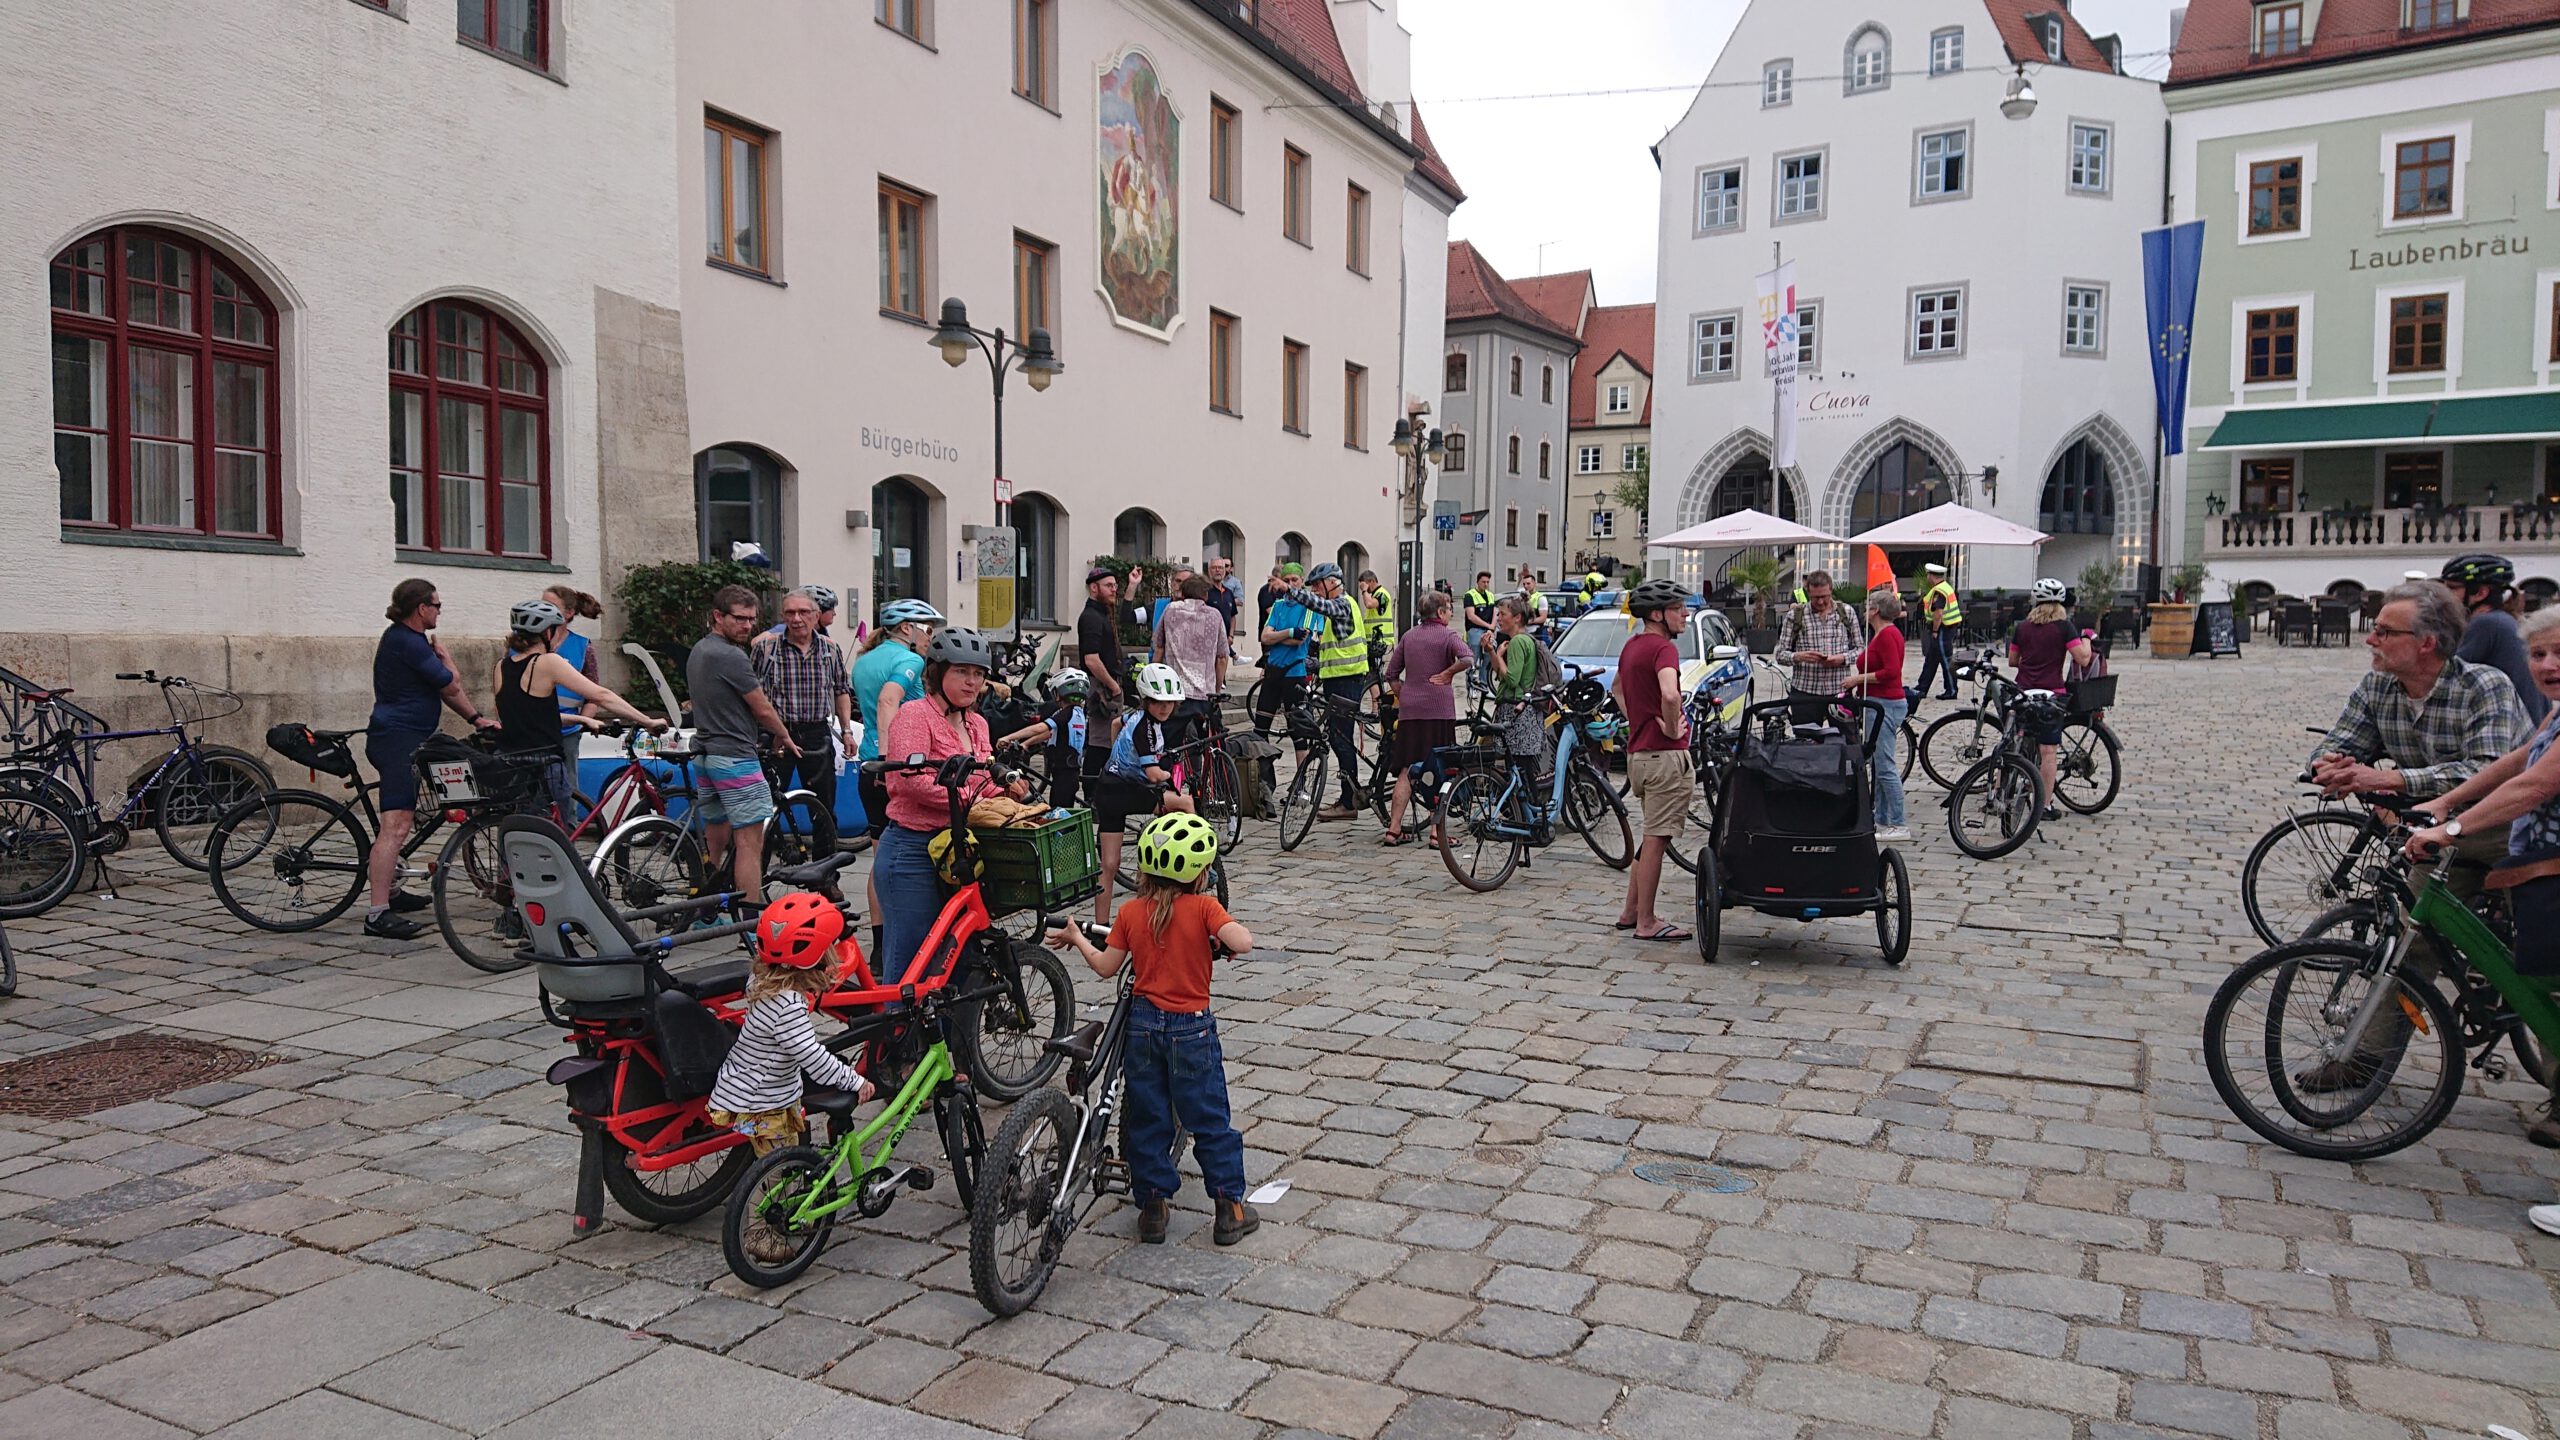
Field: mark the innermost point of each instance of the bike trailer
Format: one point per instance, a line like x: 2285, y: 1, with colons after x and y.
x: 1795, y: 827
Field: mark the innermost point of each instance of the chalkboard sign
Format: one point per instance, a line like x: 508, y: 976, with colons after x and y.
x: 2215, y: 632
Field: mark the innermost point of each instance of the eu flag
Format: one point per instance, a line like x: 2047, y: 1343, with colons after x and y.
x: 2171, y: 258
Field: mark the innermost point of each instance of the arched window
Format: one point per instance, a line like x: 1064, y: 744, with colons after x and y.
x: 1867, y: 62
x: 1353, y: 557
x: 164, y: 388
x: 470, y: 434
x: 1038, y: 528
x: 737, y: 495
x: 1292, y: 549
x: 2078, y: 500
x: 1138, y: 535
x: 1903, y: 481
x: 1220, y: 538
x: 901, y: 539
x: 1751, y: 485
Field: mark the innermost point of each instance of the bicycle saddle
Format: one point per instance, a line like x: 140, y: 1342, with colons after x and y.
x: 1079, y: 1046
x: 828, y: 1100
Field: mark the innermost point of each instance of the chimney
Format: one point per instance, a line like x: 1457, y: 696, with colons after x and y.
x: 2177, y: 24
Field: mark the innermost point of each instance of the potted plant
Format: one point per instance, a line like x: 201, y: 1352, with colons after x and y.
x: 2097, y: 591
x: 2173, y: 622
x: 1758, y: 573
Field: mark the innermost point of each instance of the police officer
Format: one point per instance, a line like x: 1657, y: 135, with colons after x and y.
x: 1943, y: 613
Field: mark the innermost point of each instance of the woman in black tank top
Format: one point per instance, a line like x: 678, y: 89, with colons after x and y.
x: 529, y: 677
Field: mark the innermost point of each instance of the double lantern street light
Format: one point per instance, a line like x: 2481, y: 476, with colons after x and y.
x: 1420, y: 449
x: 1037, y: 358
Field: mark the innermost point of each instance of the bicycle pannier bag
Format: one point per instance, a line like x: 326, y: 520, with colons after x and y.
x: 297, y: 743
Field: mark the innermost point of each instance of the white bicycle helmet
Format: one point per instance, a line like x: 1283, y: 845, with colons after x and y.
x: 908, y: 612
x: 2050, y: 591
x: 822, y: 597
x: 1067, y: 684
x: 1158, y: 682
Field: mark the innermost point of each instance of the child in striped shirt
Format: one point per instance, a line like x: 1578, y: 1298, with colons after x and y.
x: 758, y: 1092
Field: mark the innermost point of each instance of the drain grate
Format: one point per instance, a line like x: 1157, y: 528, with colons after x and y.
x: 101, y: 1075
x: 1695, y: 1175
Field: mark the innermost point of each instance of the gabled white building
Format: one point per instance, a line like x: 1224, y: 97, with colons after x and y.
x: 1969, y: 285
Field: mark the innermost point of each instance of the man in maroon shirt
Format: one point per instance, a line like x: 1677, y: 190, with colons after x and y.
x: 1659, y: 776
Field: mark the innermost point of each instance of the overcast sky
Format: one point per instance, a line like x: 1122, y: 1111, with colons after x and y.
x: 1574, y: 176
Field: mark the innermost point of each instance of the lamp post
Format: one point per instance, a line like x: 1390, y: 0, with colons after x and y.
x: 1036, y: 358
x: 1419, y: 449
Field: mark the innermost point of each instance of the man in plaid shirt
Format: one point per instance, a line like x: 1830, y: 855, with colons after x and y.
x: 1820, y: 638
x: 804, y: 674
x: 2437, y: 718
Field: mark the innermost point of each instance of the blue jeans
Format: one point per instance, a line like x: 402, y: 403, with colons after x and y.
x: 1889, y: 811
x: 1177, y: 1076
x: 911, y: 899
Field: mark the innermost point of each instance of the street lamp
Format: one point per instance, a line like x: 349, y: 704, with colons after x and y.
x: 1037, y: 358
x: 1419, y: 449
x: 2020, y: 102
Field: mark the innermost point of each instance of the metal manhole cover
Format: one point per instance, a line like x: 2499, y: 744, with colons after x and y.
x: 106, y: 1073
x: 1695, y: 1175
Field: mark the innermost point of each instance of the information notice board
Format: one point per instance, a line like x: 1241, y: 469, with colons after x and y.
x: 2216, y: 634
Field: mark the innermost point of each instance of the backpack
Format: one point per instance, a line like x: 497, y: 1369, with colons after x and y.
x: 1550, y: 670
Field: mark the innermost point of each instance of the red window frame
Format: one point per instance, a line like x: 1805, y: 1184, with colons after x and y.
x: 540, y: 59
x: 432, y: 387
x: 122, y: 334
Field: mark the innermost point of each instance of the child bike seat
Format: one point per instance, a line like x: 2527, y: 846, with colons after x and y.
x: 727, y: 977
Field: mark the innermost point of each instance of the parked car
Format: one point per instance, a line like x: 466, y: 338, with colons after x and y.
x: 1711, y: 655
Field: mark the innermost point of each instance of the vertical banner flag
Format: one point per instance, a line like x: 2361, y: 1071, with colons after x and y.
x: 2171, y: 258
x: 1778, y: 342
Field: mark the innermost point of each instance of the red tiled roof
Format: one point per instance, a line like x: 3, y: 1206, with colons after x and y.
x: 2025, y: 42
x: 1304, y: 28
x: 1608, y: 332
x: 2217, y: 40
x: 1433, y: 168
x: 1564, y: 298
x: 1478, y: 292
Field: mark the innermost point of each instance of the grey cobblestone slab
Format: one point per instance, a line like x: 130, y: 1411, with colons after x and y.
x: 1544, y: 1391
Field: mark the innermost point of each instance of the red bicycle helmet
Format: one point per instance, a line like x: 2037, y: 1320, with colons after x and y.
x: 798, y: 931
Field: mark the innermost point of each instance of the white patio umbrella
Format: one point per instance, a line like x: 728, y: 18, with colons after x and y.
x: 1951, y: 524
x: 1743, y: 528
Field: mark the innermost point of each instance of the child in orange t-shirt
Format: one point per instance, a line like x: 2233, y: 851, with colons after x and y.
x: 1175, y: 1075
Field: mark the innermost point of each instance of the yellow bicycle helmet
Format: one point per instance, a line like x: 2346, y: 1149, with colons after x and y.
x: 1179, y: 847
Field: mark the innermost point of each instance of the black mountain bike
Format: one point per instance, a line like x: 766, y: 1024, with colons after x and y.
x: 55, y: 757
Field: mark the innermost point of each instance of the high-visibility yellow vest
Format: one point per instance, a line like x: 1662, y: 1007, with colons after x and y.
x: 1339, y: 651
x: 1484, y: 598
x: 1383, y: 618
x: 1953, y: 613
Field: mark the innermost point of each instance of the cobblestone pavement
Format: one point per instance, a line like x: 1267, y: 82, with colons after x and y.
x: 368, y: 1237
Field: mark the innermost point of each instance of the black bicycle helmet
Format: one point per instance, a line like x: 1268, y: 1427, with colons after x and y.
x: 1584, y: 695
x: 2494, y: 571
x: 1658, y: 593
x: 962, y: 647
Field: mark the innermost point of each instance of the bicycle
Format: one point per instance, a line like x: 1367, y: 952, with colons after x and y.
x: 2089, y: 759
x: 1995, y: 806
x: 650, y: 858
x: 2346, y: 1034
x: 190, y: 788
x: 1299, y: 795
x: 1202, y: 769
x: 1491, y: 808
x: 294, y: 860
x: 1958, y: 740
x: 1053, y: 1160
x: 2312, y: 861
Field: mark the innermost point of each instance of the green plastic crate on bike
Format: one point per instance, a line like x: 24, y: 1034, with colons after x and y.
x: 1041, y: 867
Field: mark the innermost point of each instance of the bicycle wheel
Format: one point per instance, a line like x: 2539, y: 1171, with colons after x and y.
x: 1015, y: 1230
x: 1297, y: 801
x: 1893, y: 909
x: 200, y: 791
x: 2303, y: 867
x: 1218, y: 793
x: 2088, y: 767
x: 8, y: 965
x: 1462, y: 830
x: 650, y: 861
x: 41, y: 855
x: 1003, y: 1047
x: 1956, y: 742
x: 679, y: 1192
x: 765, y: 1246
x: 801, y: 829
x: 2272, y: 1038
x: 1909, y: 754
x: 964, y: 1141
x: 1597, y: 814
x: 288, y: 861
x: 1993, y: 809
x: 475, y: 902
x: 1708, y: 923
x: 26, y: 779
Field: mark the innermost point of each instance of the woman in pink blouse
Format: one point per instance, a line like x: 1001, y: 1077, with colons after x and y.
x: 941, y: 723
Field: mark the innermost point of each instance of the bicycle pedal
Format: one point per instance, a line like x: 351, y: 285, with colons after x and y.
x: 920, y: 1177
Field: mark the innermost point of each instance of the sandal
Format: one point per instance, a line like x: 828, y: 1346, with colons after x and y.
x: 1667, y: 934
x: 1395, y: 837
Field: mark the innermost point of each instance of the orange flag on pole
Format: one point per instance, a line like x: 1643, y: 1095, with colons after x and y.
x: 1879, y: 569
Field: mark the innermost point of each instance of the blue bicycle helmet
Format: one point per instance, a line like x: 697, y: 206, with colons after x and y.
x: 1324, y: 572
x: 907, y: 612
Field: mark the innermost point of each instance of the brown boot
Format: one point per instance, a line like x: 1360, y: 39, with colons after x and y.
x: 1153, y: 1215
x: 1236, y: 1220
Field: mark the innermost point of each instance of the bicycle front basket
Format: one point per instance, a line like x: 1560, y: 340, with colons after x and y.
x: 1045, y: 867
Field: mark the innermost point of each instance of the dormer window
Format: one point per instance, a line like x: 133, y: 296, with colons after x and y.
x: 2279, y: 29
x: 1869, y: 62
x: 2433, y: 14
x: 2053, y: 38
